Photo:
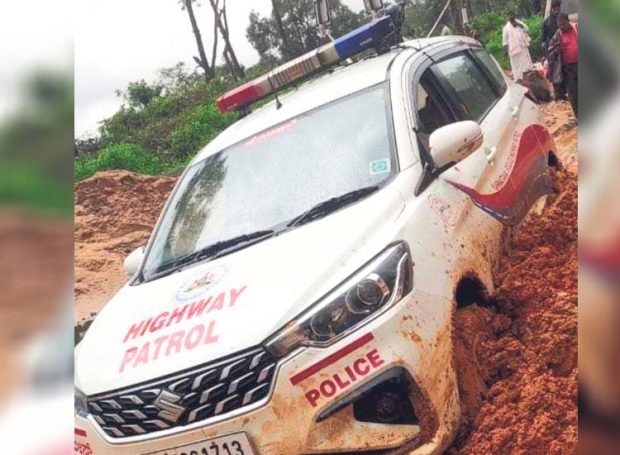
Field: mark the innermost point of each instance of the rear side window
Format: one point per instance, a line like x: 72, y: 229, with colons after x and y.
x: 469, y: 86
x: 432, y: 113
x: 494, y: 70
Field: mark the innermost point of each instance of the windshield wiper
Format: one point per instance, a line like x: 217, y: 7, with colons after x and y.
x: 213, y: 251
x: 331, y: 205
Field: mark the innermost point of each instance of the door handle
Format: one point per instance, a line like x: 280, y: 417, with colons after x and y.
x: 490, y: 153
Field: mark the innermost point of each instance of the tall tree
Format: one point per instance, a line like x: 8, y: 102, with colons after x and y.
x: 201, y: 60
x: 299, y: 27
x: 456, y: 7
x: 221, y: 24
x: 277, y: 16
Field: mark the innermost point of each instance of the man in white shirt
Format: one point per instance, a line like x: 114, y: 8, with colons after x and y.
x: 516, y: 41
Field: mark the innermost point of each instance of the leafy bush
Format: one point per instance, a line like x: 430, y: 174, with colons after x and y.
x: 25, y: 186
x: 491, y: 25
x: 201, y: 125
x: 130, y: 157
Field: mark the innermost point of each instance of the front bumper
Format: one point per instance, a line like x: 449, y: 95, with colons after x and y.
x: 413, y: 335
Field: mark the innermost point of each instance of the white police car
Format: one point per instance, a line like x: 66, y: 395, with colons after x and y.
x: 296, y: 295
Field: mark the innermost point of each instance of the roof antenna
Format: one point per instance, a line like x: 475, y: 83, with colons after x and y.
x: 275, y: 93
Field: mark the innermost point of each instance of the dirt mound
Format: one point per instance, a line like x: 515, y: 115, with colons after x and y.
x: 35, y: 271
x: 530, y: 361
x: 115, y: 212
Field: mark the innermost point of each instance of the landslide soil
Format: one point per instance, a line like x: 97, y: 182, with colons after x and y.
x: 525, y: 363
x: 525, y: 367
x: 517, y: 354
x: 115, y: 213
x: 35, y: 278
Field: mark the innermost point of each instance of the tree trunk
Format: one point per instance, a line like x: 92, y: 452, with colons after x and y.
x: 231, y: 51
x: 457, y: 17
x: 221, y: 21
x: 229, y: 64
x: 470, y: 12
x: 216, y: 34
x: 202, y: 56
x: 278, y: 18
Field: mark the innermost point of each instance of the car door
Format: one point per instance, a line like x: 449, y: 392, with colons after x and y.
x: 507, y: 175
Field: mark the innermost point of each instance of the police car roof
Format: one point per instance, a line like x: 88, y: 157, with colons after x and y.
x: 337, y: 83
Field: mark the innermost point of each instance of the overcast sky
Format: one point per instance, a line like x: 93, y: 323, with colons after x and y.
x: 118, y: 41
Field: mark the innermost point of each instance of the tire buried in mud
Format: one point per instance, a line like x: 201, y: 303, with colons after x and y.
x: 471, y: 328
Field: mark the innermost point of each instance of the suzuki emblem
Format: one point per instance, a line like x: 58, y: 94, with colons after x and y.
x: 166, y: 401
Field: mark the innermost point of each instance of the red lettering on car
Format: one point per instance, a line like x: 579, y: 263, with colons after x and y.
x: 130, y: 354
x: 175, y: 342
x: 341, y: 380
x: 358, y: 369
x: 199, y: 331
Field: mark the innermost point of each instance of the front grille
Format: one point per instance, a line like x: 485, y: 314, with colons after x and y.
x: 211, y: 390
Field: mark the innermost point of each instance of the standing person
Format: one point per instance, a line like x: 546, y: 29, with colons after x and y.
x: 569, y: 42
x: 549, y: 29
x: 516, y: 41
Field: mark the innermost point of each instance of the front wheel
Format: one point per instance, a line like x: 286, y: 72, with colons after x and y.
x: 472, y: 327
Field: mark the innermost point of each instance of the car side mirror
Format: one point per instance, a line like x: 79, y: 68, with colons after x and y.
x: 455, y: 142
x: 133, y: 261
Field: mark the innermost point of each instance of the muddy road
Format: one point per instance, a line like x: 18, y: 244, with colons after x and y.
x: 526, y: 356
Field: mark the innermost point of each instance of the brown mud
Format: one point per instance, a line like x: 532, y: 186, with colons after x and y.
x: 525, y: 362
x: 115, y: 212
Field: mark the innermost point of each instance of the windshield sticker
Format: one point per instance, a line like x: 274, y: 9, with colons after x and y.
x: 380, y: 167
x: 200, y: 283
x: 203, y: 333
x: 270, y: 134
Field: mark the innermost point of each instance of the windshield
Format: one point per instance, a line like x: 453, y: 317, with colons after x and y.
x: 272, y: 178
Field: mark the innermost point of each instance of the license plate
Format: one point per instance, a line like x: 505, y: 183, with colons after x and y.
x: 233, y: 444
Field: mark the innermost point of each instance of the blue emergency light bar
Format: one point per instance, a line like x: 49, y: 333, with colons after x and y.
x: 359, y: 40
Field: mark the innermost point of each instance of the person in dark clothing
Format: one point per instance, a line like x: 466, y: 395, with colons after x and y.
x: 569, y: 41
x: 536, y: 7
x: 549, y: 28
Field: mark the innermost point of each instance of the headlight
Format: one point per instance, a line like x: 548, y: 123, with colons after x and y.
x: 373, y: 289
x: 80, y: 405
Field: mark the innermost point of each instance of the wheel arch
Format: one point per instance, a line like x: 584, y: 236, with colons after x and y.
x: 470, y: 288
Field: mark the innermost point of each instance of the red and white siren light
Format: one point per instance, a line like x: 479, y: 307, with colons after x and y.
x: 370, y: 35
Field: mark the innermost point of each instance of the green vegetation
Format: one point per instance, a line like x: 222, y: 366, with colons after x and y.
x: 130, y: 157
x: 290, y: 30
x: 36, y: 168
x: 490, y: 26
x: 25, y: 186
x: 159, y: 127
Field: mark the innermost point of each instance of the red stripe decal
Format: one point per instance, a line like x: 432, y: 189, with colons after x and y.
x: 80, y: 432
x: 333, y: 358
x: 527, y: 179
